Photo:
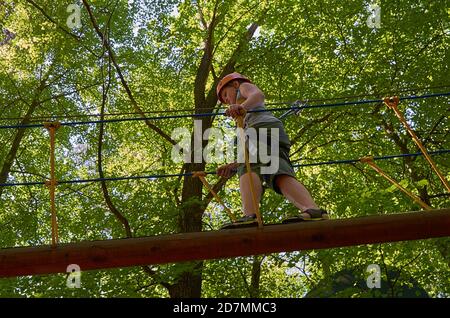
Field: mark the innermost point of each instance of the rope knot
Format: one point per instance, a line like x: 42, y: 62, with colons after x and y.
x: 392, y: 101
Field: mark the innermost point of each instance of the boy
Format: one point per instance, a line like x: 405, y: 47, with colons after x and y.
x: 238, y: 91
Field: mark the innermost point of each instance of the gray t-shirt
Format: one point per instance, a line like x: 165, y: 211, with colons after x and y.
x: 259, y: 117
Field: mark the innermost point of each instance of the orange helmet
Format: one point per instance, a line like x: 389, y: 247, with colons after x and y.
x: 228, y: 78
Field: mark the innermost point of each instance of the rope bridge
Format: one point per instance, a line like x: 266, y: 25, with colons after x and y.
x: 227, y: 243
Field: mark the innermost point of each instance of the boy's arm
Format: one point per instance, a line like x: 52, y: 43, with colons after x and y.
x: 228, y: 170
x: 252, y: 94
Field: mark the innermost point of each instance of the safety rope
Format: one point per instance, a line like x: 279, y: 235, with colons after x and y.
x: 297, y: 107
x: 201, y: 175
x: 240, y: 125
x: 384, y: 93
x: 293, y: 108
x: 392, y: 103
x: 189, y: 174
x: 57, y: 117
x: 369, y: 161
x: 52, y: 183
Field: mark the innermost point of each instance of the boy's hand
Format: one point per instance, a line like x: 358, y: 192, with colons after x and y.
x: 235, y: 111
x: 227, y: 170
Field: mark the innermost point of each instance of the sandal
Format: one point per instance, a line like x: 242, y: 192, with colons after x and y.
x: 315, y: 215
x: 245, y: 221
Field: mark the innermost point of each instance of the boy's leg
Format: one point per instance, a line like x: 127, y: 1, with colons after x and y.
x: 296, y: 193
x: 246, y: 192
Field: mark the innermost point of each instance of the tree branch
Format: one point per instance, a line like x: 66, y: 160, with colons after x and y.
x: 9, y: 160
x: 201, y: 16
x: 106, y: 195
x: 107, y: 44
x: 430, y: 133
x: 205, y: 64
x: 310, y: 124
x: 74, y: 36
x: 234, y: 23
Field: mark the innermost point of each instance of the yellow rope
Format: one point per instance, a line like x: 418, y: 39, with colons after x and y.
x: 52, y: 183
x: 392, y: 102
x: 369, y: 161
x: 240, y: 124
x: 201, y: 175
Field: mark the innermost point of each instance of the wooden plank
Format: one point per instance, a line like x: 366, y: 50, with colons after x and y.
x: 91, y: 255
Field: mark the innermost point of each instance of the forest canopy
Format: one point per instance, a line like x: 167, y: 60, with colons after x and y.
x: 84, y: 61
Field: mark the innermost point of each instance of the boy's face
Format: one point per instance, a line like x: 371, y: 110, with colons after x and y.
x: 229, y: 93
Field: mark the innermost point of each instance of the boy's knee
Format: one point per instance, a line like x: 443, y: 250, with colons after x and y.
x: 254, y: 176
x: 280, y: 179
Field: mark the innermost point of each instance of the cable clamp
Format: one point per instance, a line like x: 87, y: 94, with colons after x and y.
x: 298, y: 106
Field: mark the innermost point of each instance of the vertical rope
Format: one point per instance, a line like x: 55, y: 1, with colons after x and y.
x: 201, y: 175
x: 369, y: 161
x: 392, y: 102
x: 240, y: 124
x: 52, y: 183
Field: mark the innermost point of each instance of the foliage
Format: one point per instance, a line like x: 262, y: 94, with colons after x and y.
x: 302, y: 50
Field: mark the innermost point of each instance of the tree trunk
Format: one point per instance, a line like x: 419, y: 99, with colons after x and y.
x: 190, y: 219
x: 9, y: 160
x: 256, y: 276
x: 189, y: 284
